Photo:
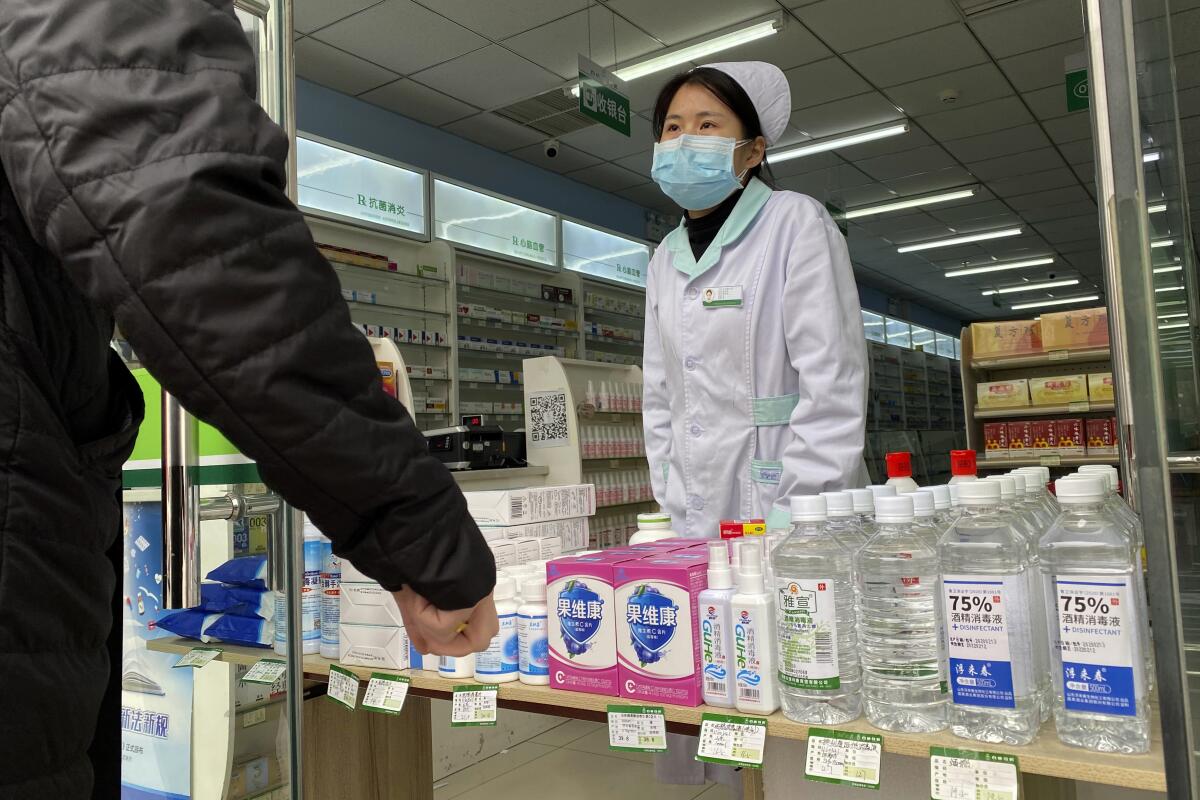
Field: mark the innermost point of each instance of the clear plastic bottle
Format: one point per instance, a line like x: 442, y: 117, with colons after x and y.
x: 842, y: 523
x: 331, y: 608
x: 819, y: 674
x: 899, y: 470
x: 954, y: 504
x: 310, y: 597
x: 925, y: 523
x: 716, y: 629
x: 1029, y: 500
x: 500, y: 663
x: 864, y: 506
x: 1089, y: 566
x: 651, y: 528
x: 897, y: 578
x: 877, y: 491
x: 990, y: 583
x: 943, y: 511
x: 754, y: 636
x: 1042, y: 484
x: 963, y: 466
x: 532, y: 645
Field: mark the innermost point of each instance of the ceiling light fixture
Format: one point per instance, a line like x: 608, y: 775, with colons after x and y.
x: 682, y: 54
x: 1150, y: 156
x: 1030, y: 287
x: 1162, y: 243
x: 1173, y: 325
x: 835, y: 142
x: 1161, y: 289
x: 911, y: 202
x: 1175, y: 268
x: 1000, y: 266
x: 971, y: 237
x: 1175, y: 315
x: 1087, y: 298
x: 1157, y: 208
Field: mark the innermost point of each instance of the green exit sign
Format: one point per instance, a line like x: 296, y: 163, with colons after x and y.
x: 1077, y: 90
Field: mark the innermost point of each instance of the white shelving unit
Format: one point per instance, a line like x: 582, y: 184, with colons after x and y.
x: 614, y: 321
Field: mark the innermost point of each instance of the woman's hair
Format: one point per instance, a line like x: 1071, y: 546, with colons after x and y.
x: 729, y: 92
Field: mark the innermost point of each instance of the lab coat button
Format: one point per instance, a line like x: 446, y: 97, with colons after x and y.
x: 692, y: 293
x: 697, y: 430
x: 696, y: 502
x: 690, y: 363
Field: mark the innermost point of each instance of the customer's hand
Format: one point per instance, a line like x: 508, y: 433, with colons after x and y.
x: 447, y: 633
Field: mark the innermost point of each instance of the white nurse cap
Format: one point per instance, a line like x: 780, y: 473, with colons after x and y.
x: 767, y: 88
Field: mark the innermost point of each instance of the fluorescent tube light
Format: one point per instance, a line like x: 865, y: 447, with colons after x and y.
x: 1151, y: 156
x: 835, y: 142
x: 1162, y: 289
x: 1174, y: 315
x: 912, y: 202
x: 1000, y: 267
x: 971, y: 237
x: 1157, y: 208
x: 1030, y: 287
x: 1162, y: 243
x: 1173, y: 325
x: 1175, y: 268
x: 1059, y: 302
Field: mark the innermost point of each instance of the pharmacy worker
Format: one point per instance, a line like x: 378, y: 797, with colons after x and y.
x: 755, y: 359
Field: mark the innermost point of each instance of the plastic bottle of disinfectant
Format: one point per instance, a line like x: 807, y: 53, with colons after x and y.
x: 819, y: 674
x: 963, y: 466
x: 532, y: 646
x: 864, y: 506
x: 500, y: 663
x: 756, y: 684
x: 331, y: 600
x: 310, y: 597
x: 841, y: 522
x: 899, y: 470
x: 652, y: 527
x: 716, y: 629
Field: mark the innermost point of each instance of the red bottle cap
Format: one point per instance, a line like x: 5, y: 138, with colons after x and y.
x: 899, y: 465
x: 962, y: 462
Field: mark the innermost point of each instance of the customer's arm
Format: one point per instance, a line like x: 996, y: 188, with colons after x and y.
x: 132, y: 140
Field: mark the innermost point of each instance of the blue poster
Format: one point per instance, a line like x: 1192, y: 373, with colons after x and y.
x: 156, y: 700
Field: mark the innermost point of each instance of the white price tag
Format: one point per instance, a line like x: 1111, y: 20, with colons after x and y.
x: 737, y: 741
x: 842, y: 757
x: 474, y: 705
x: 971, y: 775
x: 637, y: 729
x: 1058, y: 355
x: 268, y: 670
x: 343, y: 687
x: 386, y: 693
x: 1078, y: 406
x: 252, y: 718
x: 198, y: 657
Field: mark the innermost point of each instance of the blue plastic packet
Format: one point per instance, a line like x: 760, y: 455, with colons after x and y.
x: 189, y: 623
x: 250, y: 571
x: 244, y: 601
x: 240, y: 630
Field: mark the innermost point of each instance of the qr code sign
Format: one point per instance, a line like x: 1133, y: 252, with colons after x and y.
x: 548, y: 415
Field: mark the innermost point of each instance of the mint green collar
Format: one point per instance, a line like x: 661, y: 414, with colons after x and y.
x: 748, y: 205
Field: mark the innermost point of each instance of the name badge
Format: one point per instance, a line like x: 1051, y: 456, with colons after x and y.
x: 721, y: 296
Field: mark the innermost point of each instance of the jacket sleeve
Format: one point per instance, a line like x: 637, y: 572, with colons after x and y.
x: 656, y: 409
x: 130, y: 135
x: 826, y: 346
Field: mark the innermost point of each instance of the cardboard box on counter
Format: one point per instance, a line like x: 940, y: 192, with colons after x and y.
x: 1075, y: 330
x: 1015, y: 337
x: 373, y: 646
x: 368, y: 604
x: 1002, y: 394
x: 537, y: 504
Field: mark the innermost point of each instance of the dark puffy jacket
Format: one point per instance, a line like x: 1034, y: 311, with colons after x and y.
x: 141, y: 181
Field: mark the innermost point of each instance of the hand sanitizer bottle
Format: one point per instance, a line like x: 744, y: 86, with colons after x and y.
x: 716, y: 629
x: 754, y: 637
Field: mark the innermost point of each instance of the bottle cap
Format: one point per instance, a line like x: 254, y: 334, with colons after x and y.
x: 879, y: 490
x: 735, y: 554
x: 838, y: 504
x: 533, y: 589
x: 808, y: 508
x: 719, y: 575
x: 1080, y: 490
x: 1019, y: 482
x: 1109, y: 472
x: 979, y: 493
x: 962, y: 463
x: 922, y: 503
x: 654, y: 522
x: 941, y: 496
x: 505, y: 589
x: 894, y: 509
x: 864, y: 500
x: 899, y: 465
x: 955, y: 500
x: 750, y: 575
x: 1033, y: 480
x: 1008, y: 487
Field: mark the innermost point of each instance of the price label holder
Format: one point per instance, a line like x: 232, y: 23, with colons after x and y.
x: 198, y: 657
x: 255, y: 717
x: 1050, y: 461
x: 266, y: 671
x: 1058, y: 355
x: 972, y: 775
x: 843, y: 757
x: 343, y: 687
x: 1079, y: 406
x: 386, y: 693
x: 637, y: 729
x: 736, y: 741
x: 474, y: 706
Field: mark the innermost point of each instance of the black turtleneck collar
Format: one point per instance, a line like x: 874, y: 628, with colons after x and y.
x: 702, y: 230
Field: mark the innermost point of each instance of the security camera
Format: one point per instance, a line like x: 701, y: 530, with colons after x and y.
x: 948, y: 96
x: 551, y: 148
x: 1051, y: 275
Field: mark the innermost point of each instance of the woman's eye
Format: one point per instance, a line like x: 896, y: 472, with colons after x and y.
x: 706, y: 125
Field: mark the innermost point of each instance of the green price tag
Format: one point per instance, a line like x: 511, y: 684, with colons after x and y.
x: 474, y: 705
x: 955, y: 774
x: 843, y: 757
x: 267, y: 671
x: 343, y: 687
x: 198, y: 657
x: 736, y: 741
x: 637, y: 729
x: 386, y: 693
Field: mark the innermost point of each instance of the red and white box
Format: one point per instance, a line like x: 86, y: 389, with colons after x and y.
x: 1020, y: 438
x: 1044, y: 436
x: 995, y: 438
x: 1070, y: 435
x: 1101, y: 437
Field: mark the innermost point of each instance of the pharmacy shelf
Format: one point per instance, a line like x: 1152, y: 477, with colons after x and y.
x: 1045, y: 756
x: 1046, y: 461
x: 465, y: 384
x: 407, y: 310
x: 588, y: 310
x: 1089, y: 356
x: 471, y: 322
x: 423, y: 280
x: 1041, y: 411
x: 591, y: 337
x: 611, y: 506
x: 468, y: 290
x: 414, y: 379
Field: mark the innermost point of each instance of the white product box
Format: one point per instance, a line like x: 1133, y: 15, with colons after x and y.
x: 350, y: 574
x: 477, y: 311
x: 503, y: 283
x: 549, y: 548
x: 373, y: 646
x: 492, y: 345
x: 464, y: 309
x: 485, y: 280
x: 437, y: 372
x: 537, y: 504
x: 426, y: 337
x: 528, y: 549
x: 369, y: 604
x: 505, y: 552
x: 507, y: 346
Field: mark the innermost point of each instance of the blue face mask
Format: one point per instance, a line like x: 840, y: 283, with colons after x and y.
x: 696, y: 171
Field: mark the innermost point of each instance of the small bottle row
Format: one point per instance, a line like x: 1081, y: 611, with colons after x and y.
x: 617, y: 487
x: 612, y: 441
x: 614, y: 396
x: 612, y: 530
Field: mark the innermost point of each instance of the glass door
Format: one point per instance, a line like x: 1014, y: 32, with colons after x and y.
x: 1150, y: 270
x: 195, y: 507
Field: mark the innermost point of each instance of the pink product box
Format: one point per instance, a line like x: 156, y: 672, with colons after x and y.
x: 658, y: 635
x: 582, y: 630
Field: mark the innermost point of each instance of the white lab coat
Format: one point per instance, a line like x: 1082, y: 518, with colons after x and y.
x: 748, y: 405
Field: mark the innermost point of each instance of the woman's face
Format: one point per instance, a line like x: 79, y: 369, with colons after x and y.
x: 697, y: 111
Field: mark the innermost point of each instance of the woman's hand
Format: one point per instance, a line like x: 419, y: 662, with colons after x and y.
x: 447, y: 633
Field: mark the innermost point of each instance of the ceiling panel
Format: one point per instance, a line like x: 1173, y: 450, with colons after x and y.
x: 643, y: 93
x: 1048, y: 102
x: 861, y: 111
x: 1071, y: 229
x: 791, y: 46
x: 934, y: 181
x: 974, y: 85
x: 893, y: 144
x: 1040, y: 68
x: 419, y: 102
x: 568, y: 159
x: 1078, y: 152
x: 1185, y: 31
x: 919, y: 56
x: 309, y: 15
x: 557, y: 45
x: 853, y: 24
x: 1048, y: 198
x: 909, y: 162
x: 328, y: 66
x: 971, y: 214
x: 494, y: 132
x: 674, y: 23
x: 994, y: 115
x: 608, y: 177
x: 824, y: 184
x: 402, y: 36
x: 603, y: 142
x: 1071, y: 128
x: 824, y: 81
x: 799, y: 166
x: 999, y: 143
x: 497, y: 19
x: 1036, y: 216
x: 1029, y: 25
x: 1017, y: 164
x: 489, y: 78
x: 1034, y: 182
x: 639, y: 163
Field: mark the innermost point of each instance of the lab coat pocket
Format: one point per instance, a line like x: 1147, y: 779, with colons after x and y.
x: 765, y: 477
